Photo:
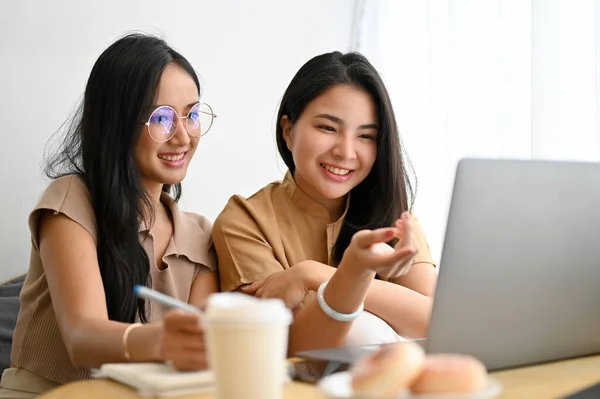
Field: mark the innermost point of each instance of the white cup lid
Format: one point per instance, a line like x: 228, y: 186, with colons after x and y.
x: 238, y: 307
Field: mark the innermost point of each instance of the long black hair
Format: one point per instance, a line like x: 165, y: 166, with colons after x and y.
x: 98, y: 145
x: 387, y: 191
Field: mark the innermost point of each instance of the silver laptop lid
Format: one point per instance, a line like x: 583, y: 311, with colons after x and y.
x: 519, y: 278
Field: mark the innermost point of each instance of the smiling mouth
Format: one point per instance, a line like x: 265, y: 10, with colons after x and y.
x: 172, y: 157
x: 336, y: 171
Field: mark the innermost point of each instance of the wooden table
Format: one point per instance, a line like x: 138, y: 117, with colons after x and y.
x: 553, y: 380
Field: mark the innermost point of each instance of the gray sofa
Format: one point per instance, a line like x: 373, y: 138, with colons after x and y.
x: 9, y: 310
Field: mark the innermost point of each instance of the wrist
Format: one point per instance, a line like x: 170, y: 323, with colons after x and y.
x: 329, y: 311
x: 125, y: 340
x: 354, y: 271
x: 150, y: 341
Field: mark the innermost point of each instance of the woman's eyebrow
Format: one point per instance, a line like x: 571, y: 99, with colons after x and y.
x: 340, y: 121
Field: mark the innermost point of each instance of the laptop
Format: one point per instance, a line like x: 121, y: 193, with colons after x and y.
x: 519, y: 277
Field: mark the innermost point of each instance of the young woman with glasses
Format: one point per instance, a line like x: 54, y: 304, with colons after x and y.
x: 109, y: 220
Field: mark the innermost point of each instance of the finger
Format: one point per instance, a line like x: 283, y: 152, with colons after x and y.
x: 396, y: 255
x: 404, y: 253
x: 179, y: 321
x: 405, y: 239
x: 247, y: 289
x: 174, y: 350
x: 403, y: 258
x: 259, y: 292
x: 297, y: 309
x: 395, y: 260
x: 294, y: 298
x: 400, y: 226
x: 251, y: 289
x: 185, y: 362
x: 175, y: 343
x: 192, y: 325
x: 404, y: 233
x: 181, y: 318
x: 196, y: 337
x: 404, y: 218
x: 366, y: 238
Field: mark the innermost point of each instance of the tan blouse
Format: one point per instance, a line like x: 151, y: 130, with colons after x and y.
x: 37, y: 342
x: 277, y: 228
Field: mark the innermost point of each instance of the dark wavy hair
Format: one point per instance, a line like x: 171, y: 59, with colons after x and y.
x: 387, y: 191
x: 98, y: 145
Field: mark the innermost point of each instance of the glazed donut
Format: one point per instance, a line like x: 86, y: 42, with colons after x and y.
x: 388, y: 371
x: 446, y: 373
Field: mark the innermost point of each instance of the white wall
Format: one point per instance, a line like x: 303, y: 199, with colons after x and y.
x: 486, y: 79
x: 246, y: 52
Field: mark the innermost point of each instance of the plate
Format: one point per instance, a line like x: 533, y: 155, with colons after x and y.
x: 339, y: 386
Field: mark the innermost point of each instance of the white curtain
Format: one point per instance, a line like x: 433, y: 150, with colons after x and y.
x: 485, y: 78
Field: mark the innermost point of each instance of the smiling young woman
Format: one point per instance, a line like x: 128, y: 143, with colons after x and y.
x: 336, y: 235
x: 109, y: 220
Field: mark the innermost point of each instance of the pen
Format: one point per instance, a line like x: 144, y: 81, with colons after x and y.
x: 147, y: 293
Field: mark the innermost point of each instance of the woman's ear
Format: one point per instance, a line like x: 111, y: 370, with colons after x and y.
x: 286, y: 128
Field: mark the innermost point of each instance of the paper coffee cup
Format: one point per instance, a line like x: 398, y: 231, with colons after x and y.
x: 247, y: 340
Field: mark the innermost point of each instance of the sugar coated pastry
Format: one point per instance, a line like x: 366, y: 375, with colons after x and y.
x: 388, y: 371
x: 447, y: 373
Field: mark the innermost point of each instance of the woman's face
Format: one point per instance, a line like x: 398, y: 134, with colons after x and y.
x: 167, y: 162
x: 333, y: 142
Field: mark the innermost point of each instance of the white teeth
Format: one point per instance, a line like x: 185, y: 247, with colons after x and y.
x: 171, y: 158
x: 337, y: 171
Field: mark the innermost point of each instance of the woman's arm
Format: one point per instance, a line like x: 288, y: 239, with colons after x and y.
x: 406, y: 301
x: 346, y: 290
x: 70, y: 261
x: 204, y: 285
x: 312, y: 328
x: 421, y: 278
x: 406, y: 310
x: 184, y: 343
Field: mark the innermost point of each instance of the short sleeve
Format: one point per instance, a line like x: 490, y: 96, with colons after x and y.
x: 191, y: 242
x: 244, y: 252
x: 67, y: 195
x: 424, y: 253
x: 207, y: 267
x: 206, y: 259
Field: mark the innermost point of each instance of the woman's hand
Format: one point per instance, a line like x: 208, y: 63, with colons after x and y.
x: 183, y: 341
x: 288, y: 285
x: 368, y: 249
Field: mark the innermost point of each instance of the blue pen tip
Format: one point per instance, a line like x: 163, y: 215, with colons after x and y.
x: 136, y: 289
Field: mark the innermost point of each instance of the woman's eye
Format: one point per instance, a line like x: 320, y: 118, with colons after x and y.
x: 158, y: 118
x: 327, y: 128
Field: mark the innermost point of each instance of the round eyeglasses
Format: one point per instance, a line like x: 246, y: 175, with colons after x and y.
x: 162, y: 123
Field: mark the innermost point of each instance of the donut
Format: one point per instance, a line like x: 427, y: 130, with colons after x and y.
x: 448, y: 373
x: 388, y: 371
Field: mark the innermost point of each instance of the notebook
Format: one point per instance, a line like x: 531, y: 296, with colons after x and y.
x: 157, y: 380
